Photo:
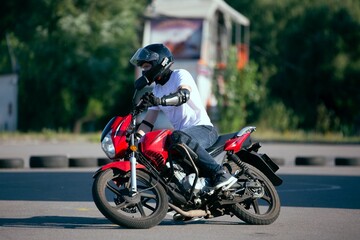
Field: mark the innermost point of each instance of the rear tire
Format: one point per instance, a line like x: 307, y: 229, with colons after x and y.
x: 257, y: 211
x: 146, y: 209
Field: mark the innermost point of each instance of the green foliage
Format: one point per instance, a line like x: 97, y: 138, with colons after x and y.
x: 309, y: 54
x: 323, y: 68
x: 73, y: 57
x: 277, y: 117
x: 242, y: 92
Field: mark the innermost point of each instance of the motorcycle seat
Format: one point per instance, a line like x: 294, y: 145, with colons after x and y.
x: 218, y: 146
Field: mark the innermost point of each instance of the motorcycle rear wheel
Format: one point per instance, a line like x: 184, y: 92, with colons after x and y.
x: 257, y: 211
x: 146, y: 209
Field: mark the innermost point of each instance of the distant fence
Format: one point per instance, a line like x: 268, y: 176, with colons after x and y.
x: 54, y: 161
x: 63, y: 161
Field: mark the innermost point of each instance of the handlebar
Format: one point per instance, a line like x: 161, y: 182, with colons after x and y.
x: 138, y: 108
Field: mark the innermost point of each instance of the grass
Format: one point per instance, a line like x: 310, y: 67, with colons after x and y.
x: 260, y: 135
x: 301, y: 136
x: 48, y: 136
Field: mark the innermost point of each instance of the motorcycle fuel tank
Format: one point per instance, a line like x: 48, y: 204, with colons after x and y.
x: 153, y: 146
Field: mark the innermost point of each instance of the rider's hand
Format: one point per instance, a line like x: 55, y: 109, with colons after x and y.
x: 137, y: 137
x: 148, y: 100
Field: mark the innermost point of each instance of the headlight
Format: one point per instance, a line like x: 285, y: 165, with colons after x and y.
x: 107, y: 145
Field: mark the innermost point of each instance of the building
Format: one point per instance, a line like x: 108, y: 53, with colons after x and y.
x: 199, y: 33
x: 8, y: 102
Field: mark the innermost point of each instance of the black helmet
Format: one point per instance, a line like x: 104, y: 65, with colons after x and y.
x: 159, y: 56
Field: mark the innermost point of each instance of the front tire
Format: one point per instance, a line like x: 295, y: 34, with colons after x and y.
x: 146, y: 209
x: 257, y: 210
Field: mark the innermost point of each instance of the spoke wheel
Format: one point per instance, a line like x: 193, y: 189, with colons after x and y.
x: 144, y: 209
x: 261, y: 210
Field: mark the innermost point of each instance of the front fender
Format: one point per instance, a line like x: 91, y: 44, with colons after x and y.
x: 123, y: 166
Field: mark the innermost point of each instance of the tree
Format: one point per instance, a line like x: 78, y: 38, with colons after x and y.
x: 308, y: 54
x: 238, y: 92
x: 323, y: 43
x: 73, y: 58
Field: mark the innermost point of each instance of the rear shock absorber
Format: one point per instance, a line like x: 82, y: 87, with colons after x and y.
x: 242, y: 165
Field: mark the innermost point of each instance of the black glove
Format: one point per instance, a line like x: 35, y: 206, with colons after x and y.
x: 149, y: 100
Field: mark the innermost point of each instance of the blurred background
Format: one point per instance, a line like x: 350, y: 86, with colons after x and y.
x: 285, y: 66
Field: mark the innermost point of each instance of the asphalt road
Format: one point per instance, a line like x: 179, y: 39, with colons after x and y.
x: 286, y: 151
x: 317, y: 203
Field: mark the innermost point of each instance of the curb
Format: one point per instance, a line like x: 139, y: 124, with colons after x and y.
x: 12, y: 163
x: 343, y: 161
x: 49, y: 161
x: 62, y: 161
x: 278, y: 160
x: 83, y: 162
x: 312, y: 161
x: 103, y: 161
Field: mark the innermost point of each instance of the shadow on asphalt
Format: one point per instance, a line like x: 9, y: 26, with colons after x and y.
x: 58, y: 222
x: 69, y: 222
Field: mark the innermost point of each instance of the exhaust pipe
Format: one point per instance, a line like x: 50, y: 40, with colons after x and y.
x: 191, y: 213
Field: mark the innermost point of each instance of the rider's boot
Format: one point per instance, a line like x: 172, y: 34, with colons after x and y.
x: 223, y: 179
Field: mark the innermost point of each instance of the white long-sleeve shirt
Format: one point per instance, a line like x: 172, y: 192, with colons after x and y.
x: 191, y: 113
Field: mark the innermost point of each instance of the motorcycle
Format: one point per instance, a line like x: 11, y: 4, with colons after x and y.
x: 152, y: 177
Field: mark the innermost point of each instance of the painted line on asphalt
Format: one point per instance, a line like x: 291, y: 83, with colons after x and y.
x: 312, y: 188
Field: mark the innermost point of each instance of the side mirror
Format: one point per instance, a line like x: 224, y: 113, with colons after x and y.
x: 141, y: 82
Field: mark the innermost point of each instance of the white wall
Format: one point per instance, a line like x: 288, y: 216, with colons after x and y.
x: 8, y: 102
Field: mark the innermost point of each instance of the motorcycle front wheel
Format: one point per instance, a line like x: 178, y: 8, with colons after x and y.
x: 144, y: 209
x: 262, y: 210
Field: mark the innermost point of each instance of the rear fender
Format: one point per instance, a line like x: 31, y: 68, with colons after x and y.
x: 260, y: 163
x: 123, y: 166
x: 235, y: 144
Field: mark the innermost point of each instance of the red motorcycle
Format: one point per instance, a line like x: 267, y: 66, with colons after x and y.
x: 153, y: 177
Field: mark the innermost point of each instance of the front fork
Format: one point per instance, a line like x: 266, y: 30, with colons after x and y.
x: 133, y: 161
x: 133, y: 174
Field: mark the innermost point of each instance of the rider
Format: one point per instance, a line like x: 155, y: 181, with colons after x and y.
x: 176, y: 94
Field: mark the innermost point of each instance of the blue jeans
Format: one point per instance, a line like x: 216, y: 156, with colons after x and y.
x: 203, y: 137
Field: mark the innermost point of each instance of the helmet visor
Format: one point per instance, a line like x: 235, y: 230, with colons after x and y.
x: 143, y: 55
